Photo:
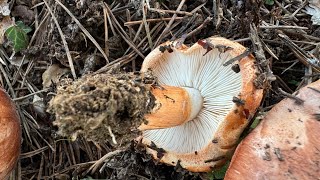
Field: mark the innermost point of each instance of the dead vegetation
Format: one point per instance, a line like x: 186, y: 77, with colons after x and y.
x: 85, y: 36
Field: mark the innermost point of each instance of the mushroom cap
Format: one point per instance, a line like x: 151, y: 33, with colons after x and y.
x: 286, y: 143
x: 206, y: 141
x: 10, y: 135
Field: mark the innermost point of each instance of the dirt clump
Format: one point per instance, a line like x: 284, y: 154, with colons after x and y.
x: 101, y: 106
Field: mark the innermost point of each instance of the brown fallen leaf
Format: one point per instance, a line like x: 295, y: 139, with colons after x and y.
x: 53, y: 75
x: 286, y: 144
x: 5, y: 23
x: 24, y: 13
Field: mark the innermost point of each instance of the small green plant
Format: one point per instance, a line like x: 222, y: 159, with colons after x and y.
x: 269, y: 2
x: 294, y: 82
x: 219, y: 173
x: 17, y: 34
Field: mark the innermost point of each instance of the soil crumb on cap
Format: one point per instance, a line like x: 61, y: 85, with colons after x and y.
x: 102, y: 107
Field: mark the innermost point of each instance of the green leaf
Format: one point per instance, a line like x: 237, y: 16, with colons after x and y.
x: 269, y: 2
x: 24, y: 27
x: 18, y: 37
x: 294, y: 82
x: 255, y: 123
x: 220, y: 173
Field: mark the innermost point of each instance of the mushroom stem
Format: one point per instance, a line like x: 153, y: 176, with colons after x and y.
x: 174, y: 106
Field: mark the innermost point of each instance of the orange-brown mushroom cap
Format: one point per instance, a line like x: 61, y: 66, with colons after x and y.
x: 9, y: 135
x: 286, y: 144
x: 205, y: 141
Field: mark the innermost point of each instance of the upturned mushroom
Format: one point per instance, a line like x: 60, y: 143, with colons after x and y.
x: 9, y: 135
x: 286, y: 144
x: 202, y: 105
x: 191, y: 104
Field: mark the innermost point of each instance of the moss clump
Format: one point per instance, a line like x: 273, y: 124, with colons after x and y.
x: 102, y: 107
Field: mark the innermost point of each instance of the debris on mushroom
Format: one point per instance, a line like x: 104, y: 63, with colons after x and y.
x: 186, y: 106
x: 286, y: 144
x: 203, y: 101
x: 10, y: 135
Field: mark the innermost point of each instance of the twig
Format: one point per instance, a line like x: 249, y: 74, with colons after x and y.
x: 246, y: 53
x: 106, y: 37
x: 217, y: 13
x: 314, y: 89
x: 259, y: 54
x: 286, y: 11
x: 171, y: 11
x: 294, y: 63
x: 282, y: 27
x: 31, y: 94
x: 122, y: 32
x: 146, y: 25
x: 65, y: 44
x: 112, y: 135
x: 169, y: 24
x: 150, y: 20
x: 98, y: 163
x: 201, y: 26
x: 303, y: 56
x: 284, y: 85
x: 84, y: 30
x: 297, y: 100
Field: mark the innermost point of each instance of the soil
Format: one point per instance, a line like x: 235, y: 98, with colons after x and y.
x: 109, y: 34
x: 100, y: 106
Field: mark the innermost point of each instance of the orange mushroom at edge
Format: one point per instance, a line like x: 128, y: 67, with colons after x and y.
x: 286, y: 143
x: 202, y: 105
x: 10, y: 135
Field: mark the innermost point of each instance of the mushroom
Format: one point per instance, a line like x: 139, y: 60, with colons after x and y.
x: 286, y: 144
x: 9, y: 135
x: 190, y: 108
x: 202, y: 103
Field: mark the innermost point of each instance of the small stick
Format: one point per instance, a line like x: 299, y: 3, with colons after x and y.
x: 303, y: 56
x: 298, y: 100
x: 123, y: 33
x: 171, y: 11
x: 169, y: 24
x: 84, y: 30
x: 282, y: 27
x: 316, y: 90
x: 94, y: 166
x: 146, y: 25
x: 201, y: 26
x: 106, y: 37
x: 65, y: 44
x: 150, y: 20
x: 31, y: 94
x: 112, y: 135
x: 246, y: 53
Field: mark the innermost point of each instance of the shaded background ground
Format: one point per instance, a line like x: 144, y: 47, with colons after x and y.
x: 124, y: 32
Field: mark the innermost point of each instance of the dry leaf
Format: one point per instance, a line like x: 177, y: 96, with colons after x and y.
x: 53, y: 75
x: 4, y: 8
x: 24, y: 12
x: 5, y: 23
